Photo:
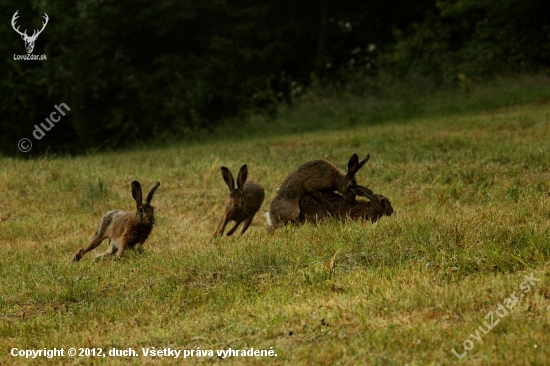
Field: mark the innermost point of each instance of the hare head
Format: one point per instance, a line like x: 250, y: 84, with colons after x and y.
x: 236, y: 194
x: 145, y: 213
x: 382, y: 204
x: 379, y: 202
x: 349, y: 179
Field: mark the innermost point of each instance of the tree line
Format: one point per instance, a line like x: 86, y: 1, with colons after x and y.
x: 137, y: 71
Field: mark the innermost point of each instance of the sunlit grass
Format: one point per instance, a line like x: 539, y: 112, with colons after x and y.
x: 472, y: 218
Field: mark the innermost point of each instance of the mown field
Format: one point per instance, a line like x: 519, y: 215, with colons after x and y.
x: 471, y: 193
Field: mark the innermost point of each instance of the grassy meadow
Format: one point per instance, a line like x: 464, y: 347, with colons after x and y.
x: 471, y: 194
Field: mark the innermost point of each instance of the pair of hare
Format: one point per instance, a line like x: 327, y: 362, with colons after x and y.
x: 306, y: 194
x: 126, y: 230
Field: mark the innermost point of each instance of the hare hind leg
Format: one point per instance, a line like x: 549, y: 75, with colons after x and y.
x: 98, y: 237
x: 283, y: 211
x: 110, y: 251
x: 96, y: 240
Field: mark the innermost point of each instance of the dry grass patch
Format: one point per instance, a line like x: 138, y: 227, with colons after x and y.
x: 472, y: 218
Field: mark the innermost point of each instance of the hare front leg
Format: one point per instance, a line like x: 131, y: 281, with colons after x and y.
x: 121, y: 250
x: 247, y: 223
x: 126, y: 243
x: 122, y: 242
x: 230, y: 232
x: 221, y: 226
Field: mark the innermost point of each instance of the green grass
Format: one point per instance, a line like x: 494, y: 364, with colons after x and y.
x: 472, y: 218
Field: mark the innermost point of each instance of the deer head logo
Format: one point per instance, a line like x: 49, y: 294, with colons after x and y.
x: 29, y: 41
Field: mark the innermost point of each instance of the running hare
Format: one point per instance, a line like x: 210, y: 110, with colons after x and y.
x: 124, y: 229
x: 243, y: 203
x: 335, y: 205
x: 311, y: 178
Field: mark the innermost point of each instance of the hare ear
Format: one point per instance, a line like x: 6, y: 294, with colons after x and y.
x: 150, y: 195
x: 228, y: 178
x: 241, y: 179
x: 136, y: 192
x: 362, y: 162
x: 361, y: 191
x: 354, y: 164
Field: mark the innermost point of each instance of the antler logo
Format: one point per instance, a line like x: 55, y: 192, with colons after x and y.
x: 29, y: 41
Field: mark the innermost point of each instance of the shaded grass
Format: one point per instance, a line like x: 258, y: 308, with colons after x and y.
x: 377, y: 102
x: 472, y: 213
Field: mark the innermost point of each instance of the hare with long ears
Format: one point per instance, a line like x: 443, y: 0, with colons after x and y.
x: 311, y: 178
x: 336, y: 206
x: 125, y: 230
x: 243, y: 203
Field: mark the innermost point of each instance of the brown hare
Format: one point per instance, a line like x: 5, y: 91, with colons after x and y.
x: 243, y: 203
x: 124, y: 229
x: 336, y: 206
x: 311, y: 178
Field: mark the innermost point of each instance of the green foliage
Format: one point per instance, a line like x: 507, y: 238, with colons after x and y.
x: 471, y: 39
x: 133, y: 72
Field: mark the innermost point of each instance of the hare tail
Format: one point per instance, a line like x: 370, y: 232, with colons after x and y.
x: 268, y: 218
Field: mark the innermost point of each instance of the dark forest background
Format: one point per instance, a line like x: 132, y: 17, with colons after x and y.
x: 138, y: 71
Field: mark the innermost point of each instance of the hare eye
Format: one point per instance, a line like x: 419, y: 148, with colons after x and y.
x: 140, y: 209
